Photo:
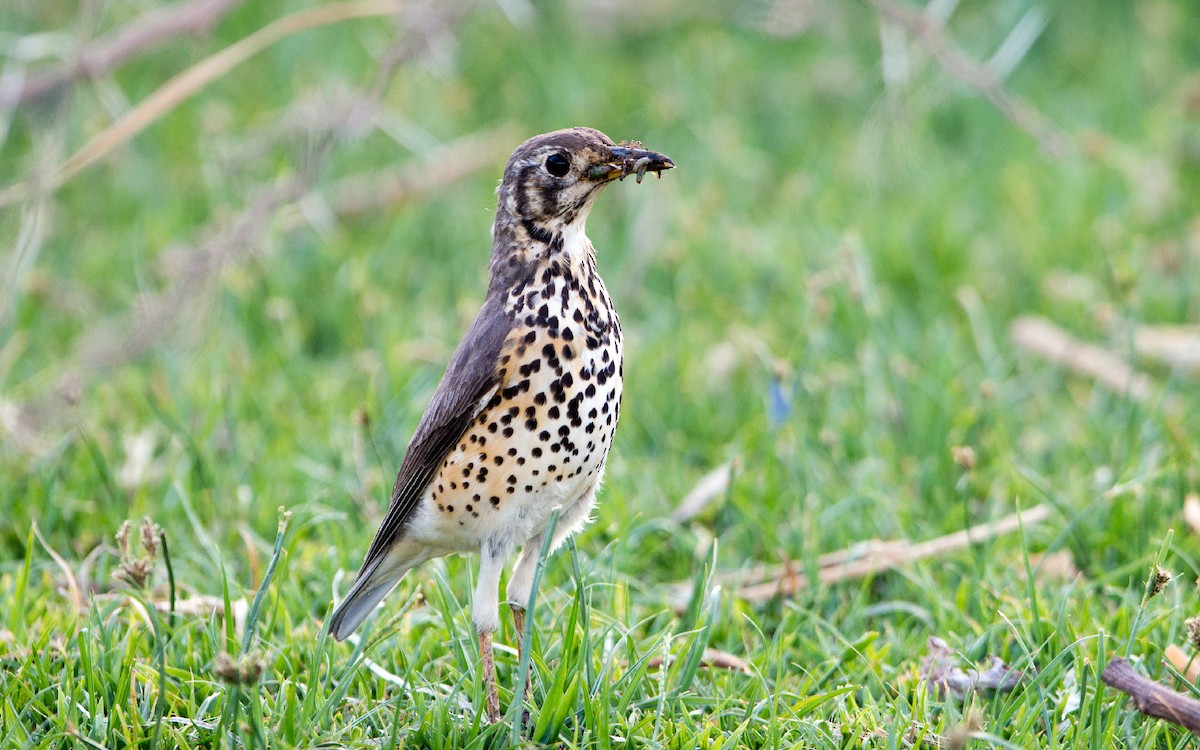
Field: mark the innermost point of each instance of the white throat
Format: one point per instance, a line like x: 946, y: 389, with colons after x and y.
x: 576, y: 246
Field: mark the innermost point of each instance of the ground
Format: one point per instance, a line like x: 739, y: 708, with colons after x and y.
x: 245, y: 306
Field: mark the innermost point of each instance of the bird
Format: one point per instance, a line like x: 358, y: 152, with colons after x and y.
x: 521, y: 423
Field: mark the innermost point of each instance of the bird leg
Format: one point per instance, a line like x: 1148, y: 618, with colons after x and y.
x: 489, y: 676
x: 518, y: 615
x: 485, y: 611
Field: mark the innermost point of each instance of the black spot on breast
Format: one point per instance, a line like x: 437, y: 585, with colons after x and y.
x: 495, y: 501
x: 539, y: 399
x: 499, y: 460
x: 543, y: 436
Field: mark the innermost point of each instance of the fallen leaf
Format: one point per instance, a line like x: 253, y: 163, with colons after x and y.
x: 941, y: 674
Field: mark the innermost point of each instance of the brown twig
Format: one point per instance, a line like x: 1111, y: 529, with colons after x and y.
x: 1152, y: 698
x: 852, y: 564
x: 139, y: 37
x: 976, y: 75
x: 865, y: 559
x: 1044, y: 338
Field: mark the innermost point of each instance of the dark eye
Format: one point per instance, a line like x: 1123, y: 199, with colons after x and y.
x: 557, y: 165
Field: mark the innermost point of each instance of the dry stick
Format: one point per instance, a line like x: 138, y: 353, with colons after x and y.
x: 1152, y: 698
x: 361, y: 194
x: 852, y: 564
x: 138, y: 37
x: 861, y: 560
x: 1043, y: 338
x: 976, y: 75
x: 185, y: 84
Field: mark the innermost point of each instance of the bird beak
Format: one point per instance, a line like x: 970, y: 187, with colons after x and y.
x: 627, y: 160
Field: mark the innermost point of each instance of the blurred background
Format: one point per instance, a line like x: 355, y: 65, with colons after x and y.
x: 242, y: 238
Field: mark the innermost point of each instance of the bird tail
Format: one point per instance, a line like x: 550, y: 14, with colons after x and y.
x: 373, y: 583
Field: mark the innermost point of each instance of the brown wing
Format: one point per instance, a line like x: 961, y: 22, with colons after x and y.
x: 471, y: 375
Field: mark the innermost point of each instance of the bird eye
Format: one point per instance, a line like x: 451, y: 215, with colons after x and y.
x: 557, y: 165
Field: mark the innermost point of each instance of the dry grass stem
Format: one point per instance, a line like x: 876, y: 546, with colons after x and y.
x: 928, y: 31
x: 68, y: 574
x: 1043, y: 338
x: 185, y: 84
x: 711, y: 486
x: 1177, y: 347
x: 137, y: 38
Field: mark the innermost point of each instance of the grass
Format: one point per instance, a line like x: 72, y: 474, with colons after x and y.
x: 823, y: 289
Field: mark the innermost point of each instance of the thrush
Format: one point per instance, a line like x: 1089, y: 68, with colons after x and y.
x: 523, y: 419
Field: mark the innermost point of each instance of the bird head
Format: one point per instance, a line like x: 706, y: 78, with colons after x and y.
x: 551, y: 180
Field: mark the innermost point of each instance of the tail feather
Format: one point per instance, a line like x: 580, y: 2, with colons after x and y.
x: 370, y: 588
